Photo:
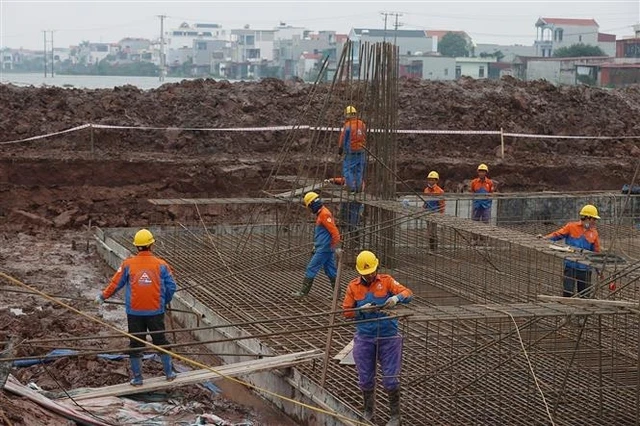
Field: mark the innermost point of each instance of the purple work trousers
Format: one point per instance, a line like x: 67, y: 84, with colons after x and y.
x: 367, y: 351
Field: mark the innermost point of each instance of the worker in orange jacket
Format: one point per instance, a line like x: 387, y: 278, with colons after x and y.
x: 148, y: 287
x: 326, y: 238
x: 352, y: 144
x: 378, y: 340
x: 582, y: 235
x: 433, y: 205
x: 482, y: 185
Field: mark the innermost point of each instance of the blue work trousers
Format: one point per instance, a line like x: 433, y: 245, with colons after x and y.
x: 369, y: 351
x: 353, y: 168
x: 321, y: 259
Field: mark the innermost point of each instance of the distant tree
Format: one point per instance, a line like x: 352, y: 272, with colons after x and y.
x: 497, y: 54
x: 453, y: 44
x: 579, y: 49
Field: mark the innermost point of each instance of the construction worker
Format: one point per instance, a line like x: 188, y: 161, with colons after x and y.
x: 433, y: 205
x: 582, y: 235
x: 376, y: 341
x: 352, y: 143
x: 325, y: 244
x: 148, y: 288
x: 482, y: 185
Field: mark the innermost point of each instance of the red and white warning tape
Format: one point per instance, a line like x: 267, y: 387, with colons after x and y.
x: 314, y: 128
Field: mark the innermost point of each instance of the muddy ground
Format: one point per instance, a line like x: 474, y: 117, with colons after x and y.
x: 53, y: 191
x: 65, y: 263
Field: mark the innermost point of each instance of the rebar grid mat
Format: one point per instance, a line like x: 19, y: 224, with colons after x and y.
x: 462, y: 364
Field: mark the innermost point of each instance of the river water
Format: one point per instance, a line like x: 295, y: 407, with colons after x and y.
x: 84, y: 81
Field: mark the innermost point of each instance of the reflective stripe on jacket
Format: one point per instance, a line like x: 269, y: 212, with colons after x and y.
x: 359, y: 294
x: 148, y: 284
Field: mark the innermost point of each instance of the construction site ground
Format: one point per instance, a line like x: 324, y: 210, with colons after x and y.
x: 54, y: 191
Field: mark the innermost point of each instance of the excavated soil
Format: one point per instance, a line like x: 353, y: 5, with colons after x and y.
x: 53, y: 190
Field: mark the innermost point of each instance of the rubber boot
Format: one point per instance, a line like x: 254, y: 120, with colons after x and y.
x: 369, y: 405
x: 167, y: 366
x: 136, y: 370
x: 394, y: 408
x: 306, y: 288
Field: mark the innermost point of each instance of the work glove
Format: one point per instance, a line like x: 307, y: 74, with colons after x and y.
x: 340, y: 151
x: 369, y: 307
x: 99, y: 300
x: 391, y: 302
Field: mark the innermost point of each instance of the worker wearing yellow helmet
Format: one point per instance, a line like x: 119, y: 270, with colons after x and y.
x: 482, y: 185
x: 433, y: 203
x: 582, y: 235
x: 325, y: 244
x: 351, y: 143
x: 376, y: 341
x: 149, y: 287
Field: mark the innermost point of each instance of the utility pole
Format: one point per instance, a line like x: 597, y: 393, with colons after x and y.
x: 162, y: 57
x: 45, y: 53
x: 52, y: 54
x: 385, y: 14
x: 397, y: 24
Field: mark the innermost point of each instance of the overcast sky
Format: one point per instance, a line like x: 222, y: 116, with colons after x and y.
x: 503, y: 22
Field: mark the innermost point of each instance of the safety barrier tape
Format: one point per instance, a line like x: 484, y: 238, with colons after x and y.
x: 33, y: 138
x: 316, y: 128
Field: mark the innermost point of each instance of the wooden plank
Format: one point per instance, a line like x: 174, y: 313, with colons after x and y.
x: 14, y: 386
x: 344, y: 351
x: 197, y: 376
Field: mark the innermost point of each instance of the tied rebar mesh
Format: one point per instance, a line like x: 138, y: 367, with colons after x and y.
x: 463, y: 359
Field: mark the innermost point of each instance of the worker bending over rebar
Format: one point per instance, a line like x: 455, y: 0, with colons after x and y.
x: 376, y: 341
x: 582, y: 235
x: 326, y: 238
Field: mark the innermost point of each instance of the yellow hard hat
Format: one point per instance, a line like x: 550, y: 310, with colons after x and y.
x: 589, y: 211
x: 143, y: 238
x: 309, y: 198
x: 366, y: 263
x: 433, y: 175
x: 483, y: 167
x: 350, y: 110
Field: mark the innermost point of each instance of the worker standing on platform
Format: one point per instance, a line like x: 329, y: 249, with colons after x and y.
x: 434, y: 205
x: 376, y: 341
x: 482, y: 185
x: 582, y: 235
x: 352, y: 143
x: 148, y: 288
x: 325, y: 244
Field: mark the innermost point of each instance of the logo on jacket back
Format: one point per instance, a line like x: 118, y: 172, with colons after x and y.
x: 145, y: 279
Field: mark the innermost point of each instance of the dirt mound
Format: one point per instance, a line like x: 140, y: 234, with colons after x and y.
x: 60, y: 183
x: 516, y: 106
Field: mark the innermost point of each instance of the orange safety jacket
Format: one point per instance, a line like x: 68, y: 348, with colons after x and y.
x: 148, y: 284
x: 353, y: 135
x: 359, y: 293
x: 434, y: 205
